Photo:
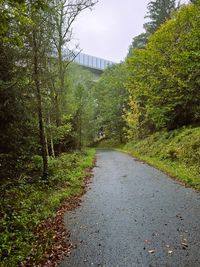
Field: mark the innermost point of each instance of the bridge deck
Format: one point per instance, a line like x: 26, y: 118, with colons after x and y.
x: 92, y: 62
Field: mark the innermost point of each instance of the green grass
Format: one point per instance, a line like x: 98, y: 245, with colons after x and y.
x: 25, y: 204
x: 108, y: 144
x: 176, y: 153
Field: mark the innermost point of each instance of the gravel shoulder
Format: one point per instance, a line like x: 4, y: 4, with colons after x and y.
x: 134, y: 215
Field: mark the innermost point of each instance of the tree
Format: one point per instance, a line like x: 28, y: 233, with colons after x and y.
x: 158, y: 12
x: 64, y: 14
x: 111, y: 101
x: 80, y: 104
x: 163, y: 82
x: 139, y: 41
x: 18, y: 140
x: 13, y: 19
x: 38, y: 42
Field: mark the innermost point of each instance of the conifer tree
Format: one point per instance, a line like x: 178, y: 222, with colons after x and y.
x: 158, y: 12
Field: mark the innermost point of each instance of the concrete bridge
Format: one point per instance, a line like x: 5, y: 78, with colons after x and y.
x: 94, y: 64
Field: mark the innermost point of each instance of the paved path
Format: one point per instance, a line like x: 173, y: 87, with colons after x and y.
x: 134, y: 215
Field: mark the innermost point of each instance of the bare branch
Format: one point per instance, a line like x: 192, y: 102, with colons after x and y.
x: 73, y: 57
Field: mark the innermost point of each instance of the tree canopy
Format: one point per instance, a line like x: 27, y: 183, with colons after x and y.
x: 164, y: 80
x: 158, y: 12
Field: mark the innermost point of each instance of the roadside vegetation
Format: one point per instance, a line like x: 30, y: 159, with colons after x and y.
x: 176, y: 153
x: 29, y: 201
x: 156, y: 100
x: 46, y: 117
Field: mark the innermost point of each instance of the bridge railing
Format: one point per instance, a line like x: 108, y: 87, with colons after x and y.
x: 92, y: 62
x: 86, y: 60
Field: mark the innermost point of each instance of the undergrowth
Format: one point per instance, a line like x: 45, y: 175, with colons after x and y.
x: 25, y: 203
x: 176, y: 153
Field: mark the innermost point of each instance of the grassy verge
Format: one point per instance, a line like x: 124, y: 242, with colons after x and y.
x: 109, y: 144
x: 26, y: 203
x: 177, y: 153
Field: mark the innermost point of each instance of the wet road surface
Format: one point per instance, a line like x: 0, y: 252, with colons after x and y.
x: 134, y: 215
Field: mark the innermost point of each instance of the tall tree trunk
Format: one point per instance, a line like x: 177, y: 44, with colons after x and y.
x: 52, y: 147
x: 61, y: 84
x: 80, y: 133
x: 51, y: 138
x: 46, y: 142
x: 39, y: 104
x: 58, y: 113
x: 61, y: 89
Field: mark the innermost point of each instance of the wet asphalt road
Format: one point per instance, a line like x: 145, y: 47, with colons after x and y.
x: 134, y: 215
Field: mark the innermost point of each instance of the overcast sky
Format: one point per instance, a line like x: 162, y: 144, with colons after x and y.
x: 108, y: 29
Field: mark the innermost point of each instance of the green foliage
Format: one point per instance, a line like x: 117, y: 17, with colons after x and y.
x: 61, y: 132
x: 13, y: 18
x: 37, y: 163
x: 111, y: 101
x: 164, y: 80
x: 18, y: 138
x: 176, y: 152
x: 65, y: 168
x: 158, y: 12
x: 109, y: 143
x: 81, y: 105
x: 139, y: 41
x: 37, y: 117
x: 25, y: 204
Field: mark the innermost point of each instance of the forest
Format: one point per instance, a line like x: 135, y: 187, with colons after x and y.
x: 52, y: 113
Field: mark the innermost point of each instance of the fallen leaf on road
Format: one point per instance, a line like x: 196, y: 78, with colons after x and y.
x: 184, y: 245
x: 151, y: 251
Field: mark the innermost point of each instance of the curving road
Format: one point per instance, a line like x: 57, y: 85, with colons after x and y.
x: 134, y: 215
